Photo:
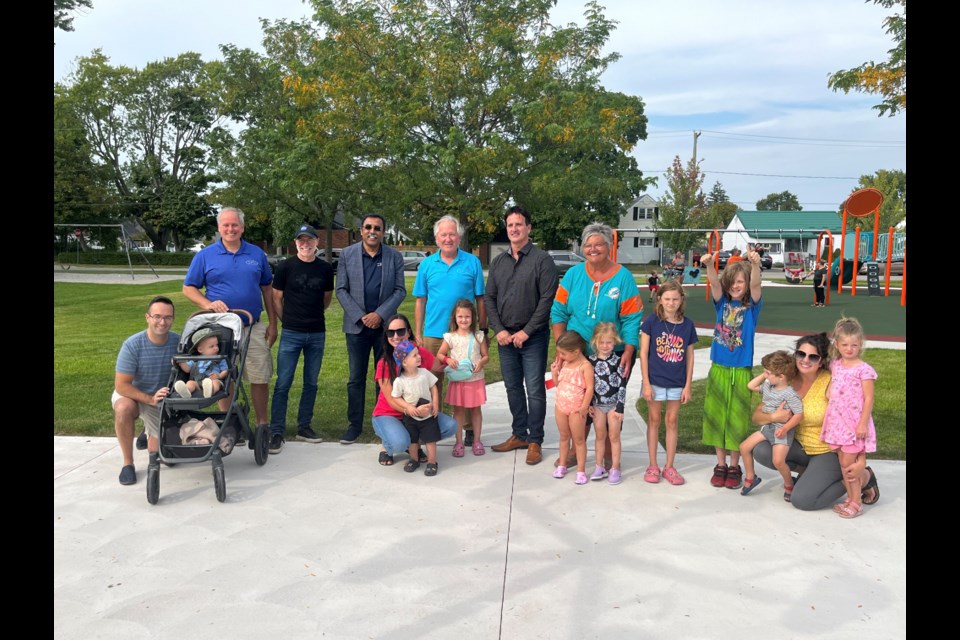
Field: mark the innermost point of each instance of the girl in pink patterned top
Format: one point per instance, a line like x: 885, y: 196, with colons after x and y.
x: 574, y: 384
x: 848, y: 424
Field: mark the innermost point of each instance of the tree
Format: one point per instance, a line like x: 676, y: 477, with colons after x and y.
x: 717, y: 194
x: 783, y: 201
x: 63, y: 8
x: 683, y: 206
x: 458, y: 107
x: 151, y: 130
x: 893, y: 185
x: 888, y: 79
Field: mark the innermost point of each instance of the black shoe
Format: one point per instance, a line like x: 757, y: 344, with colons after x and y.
x: 468, y: 437
x: 306, y: 434
x: 276, y: 443
x: 142, y: 441
x: 349, y: 436
x: 128, y: 475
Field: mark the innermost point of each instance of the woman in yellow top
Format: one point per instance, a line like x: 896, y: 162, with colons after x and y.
x: 820, y: 484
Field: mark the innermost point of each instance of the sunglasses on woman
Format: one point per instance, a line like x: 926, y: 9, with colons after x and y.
x: 402, y: 331
x: 803, y: 355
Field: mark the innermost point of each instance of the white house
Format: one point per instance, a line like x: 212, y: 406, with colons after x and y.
x: 639, y: 244
x: 781, y: 231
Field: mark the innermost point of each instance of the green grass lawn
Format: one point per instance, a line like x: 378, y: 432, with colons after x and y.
x: 92, y: 320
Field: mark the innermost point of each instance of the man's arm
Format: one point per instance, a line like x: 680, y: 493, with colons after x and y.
x: 123, y: 383
x: 419, y: 311
x: 266, y: 291
x: 194, y: 295
x: 278, y: 301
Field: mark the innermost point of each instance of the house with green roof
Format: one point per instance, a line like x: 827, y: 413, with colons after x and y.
x: 780, y: 231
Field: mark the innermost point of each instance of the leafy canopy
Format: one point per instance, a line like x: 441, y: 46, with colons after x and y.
x: 888, y: 79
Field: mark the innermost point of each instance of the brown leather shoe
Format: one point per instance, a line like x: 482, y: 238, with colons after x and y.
x: 511, y: 443
x: 533, y: 453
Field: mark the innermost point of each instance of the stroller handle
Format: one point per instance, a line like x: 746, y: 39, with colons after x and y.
x: 239, y: 312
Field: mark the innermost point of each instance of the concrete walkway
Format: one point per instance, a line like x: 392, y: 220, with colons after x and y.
x: 323, y: 542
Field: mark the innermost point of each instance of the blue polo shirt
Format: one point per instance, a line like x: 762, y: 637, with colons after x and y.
x: 442, y: 285
x: 235, y: 278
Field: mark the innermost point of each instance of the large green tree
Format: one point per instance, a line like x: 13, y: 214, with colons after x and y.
x: 893, y: 185
x: 62, y: 10
x: 783, y: 201
x: 683, y: 206
x: 150, y: 129
x: 887, y: 79
x: 458, y: 107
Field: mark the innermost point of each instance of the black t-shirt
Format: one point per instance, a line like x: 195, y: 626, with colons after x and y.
x: 818, y: 275
x: 304, y: 286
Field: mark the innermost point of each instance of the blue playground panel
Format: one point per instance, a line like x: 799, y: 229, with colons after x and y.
x: 866, y: 246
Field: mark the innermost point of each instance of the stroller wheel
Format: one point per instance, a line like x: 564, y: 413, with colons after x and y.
x: 153, y: 484
x: 220, y: 483
x: 261, y: 449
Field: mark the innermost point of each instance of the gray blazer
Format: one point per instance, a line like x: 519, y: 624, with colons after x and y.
x: 350, y: 285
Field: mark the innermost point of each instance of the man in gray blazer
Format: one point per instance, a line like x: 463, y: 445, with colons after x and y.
x: 370, y: 288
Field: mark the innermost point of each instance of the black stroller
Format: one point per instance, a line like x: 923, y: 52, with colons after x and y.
x: 210, y: 435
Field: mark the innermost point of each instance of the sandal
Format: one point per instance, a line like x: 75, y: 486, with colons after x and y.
x: 458, y: 450
x: 421, y: 455
x: 750, y: 484
x: 673, y: 476
x: 852, y: 510
x: 386, y: 459
x: 652, y: 474
x: 871, y: 484
x: 840, y: 506
x: 411, y: 466
x: 431, y: 469
x: 478, y: 449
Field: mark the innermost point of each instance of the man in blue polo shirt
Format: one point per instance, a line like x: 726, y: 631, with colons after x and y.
x: 236, y: 275
x: 442, y: 279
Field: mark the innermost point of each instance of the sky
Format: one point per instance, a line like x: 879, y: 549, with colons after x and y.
x: 749, y: 75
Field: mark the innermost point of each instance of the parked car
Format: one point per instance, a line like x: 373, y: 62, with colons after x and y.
x: 766, y: 261
x: 564, y: 260
x: 896, y: 267
x: 721, y: 259
x: 412, y: 259
x: 274, y: 260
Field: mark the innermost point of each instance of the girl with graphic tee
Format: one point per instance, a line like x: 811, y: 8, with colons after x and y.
x: 727, y: 408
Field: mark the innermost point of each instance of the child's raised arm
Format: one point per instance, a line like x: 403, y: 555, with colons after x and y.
x: 713, y: 278
x: 754, y: 385
x: 755, y: 275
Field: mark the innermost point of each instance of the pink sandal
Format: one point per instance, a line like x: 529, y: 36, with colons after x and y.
x: 478, y: 449
x: 852, y: 510
x: 840, y: 506
x: 673, y: 476
x: 652, y: 474
x: 458, y: 450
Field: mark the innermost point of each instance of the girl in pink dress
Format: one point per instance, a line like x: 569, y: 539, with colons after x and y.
x: 574, y: 384
x: 848, y: 424
x: 465, y: 342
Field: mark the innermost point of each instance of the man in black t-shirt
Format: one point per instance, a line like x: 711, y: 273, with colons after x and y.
x: 302, y: 290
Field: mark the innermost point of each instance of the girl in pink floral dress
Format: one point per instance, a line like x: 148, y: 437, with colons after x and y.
x: 848, y: 424
x: 574, y: 383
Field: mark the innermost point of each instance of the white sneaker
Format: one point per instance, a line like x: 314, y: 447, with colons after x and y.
x: 181, y: 387
x: 207, y: 387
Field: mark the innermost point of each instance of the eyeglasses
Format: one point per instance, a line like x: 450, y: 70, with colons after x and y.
x: 396, y: 332
x: 372, y: 227
x: 803, y: 355
x: 158, y: 318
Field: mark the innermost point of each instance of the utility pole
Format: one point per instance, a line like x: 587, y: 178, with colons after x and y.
x: 696, y: 134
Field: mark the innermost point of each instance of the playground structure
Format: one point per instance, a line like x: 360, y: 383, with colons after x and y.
x: 854, y: 247
x: 80, y: 234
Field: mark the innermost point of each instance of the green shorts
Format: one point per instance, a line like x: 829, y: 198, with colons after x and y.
x: 726, y: 409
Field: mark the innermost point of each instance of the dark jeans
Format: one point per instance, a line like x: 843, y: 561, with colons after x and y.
x: 526, y: 366
x: 288, y: 354
x: 358, y: 353
x: 818, y: 295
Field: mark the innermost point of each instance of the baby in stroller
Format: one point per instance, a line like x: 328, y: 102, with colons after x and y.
x: 204, y: 374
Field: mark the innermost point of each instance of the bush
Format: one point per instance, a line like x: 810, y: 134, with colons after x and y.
x: 180, y: 259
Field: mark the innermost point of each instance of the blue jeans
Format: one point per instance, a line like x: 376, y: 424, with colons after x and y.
x: 395, y: 437
x: 358, y: 354
x: 288, y: 354
x: 526, y: 366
